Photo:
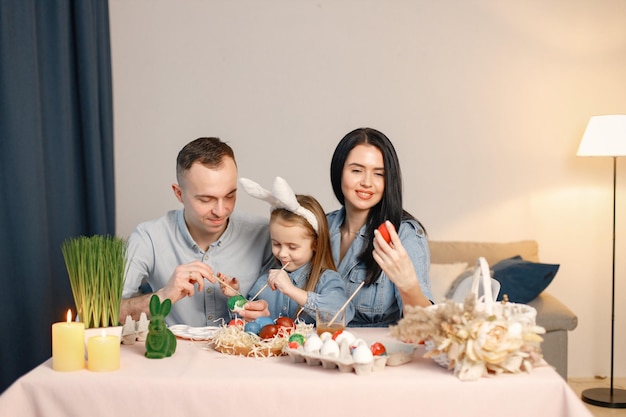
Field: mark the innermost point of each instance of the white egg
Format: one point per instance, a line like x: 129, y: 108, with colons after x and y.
x: 325, y: 336
x: 330, y: 348
x: 345, y: 335
x: 357, y: 342
x: 344, y: 350
x: 362, y: 354
x: 313, y: 343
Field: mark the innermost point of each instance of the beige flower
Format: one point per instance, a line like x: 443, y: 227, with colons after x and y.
x: 493, y: 342
x: 464, y: 338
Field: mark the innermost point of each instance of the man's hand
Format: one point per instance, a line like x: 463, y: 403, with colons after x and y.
x: 184, y: 279
x: 254, y: 309
x: 228, y: 285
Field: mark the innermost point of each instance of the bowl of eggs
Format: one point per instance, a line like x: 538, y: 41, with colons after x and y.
x: 262, y: 337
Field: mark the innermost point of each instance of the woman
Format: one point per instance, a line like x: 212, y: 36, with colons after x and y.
x: 366, y: 179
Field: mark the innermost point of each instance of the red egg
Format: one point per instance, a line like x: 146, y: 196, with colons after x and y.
x: 285, y: 322
x: 268, y: 331
x: 337, y: 333
x: 378, y: 349
x: 236, y: 322
x: 384, y: 232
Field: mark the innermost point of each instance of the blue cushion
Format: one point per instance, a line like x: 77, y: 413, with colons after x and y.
x: 522, y: 281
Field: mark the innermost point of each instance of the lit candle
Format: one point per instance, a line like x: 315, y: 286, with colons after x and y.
x: 103, y: 353
x: 68, y: 345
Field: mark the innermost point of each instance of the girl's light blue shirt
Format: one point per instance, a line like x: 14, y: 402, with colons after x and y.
x: 380, y: 304
x: 329, y: 295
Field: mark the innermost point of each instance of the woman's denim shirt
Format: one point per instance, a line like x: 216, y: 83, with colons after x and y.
x: 379, y: 304
x: 329, y: 295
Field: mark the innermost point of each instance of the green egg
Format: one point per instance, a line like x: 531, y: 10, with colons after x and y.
x: 297, y: 337
x: 236, y: 302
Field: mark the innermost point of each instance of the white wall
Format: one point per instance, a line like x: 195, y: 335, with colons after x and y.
x: 486, y: 102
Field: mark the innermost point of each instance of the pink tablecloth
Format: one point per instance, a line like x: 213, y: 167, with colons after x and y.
x: 197, y: 381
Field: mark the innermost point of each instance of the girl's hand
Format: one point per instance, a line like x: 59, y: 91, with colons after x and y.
x: 279, y: 280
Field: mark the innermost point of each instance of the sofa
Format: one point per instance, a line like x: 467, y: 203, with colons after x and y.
x: 553, y: 315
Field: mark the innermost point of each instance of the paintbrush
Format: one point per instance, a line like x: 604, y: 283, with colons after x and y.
x: 266, y: 284
x: 345, y: 304
x: 221, y: 281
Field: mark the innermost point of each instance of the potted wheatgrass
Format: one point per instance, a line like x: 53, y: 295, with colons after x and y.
x: 96, y: 267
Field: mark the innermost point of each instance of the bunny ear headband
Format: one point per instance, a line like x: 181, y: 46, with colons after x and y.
x: 282, y: 196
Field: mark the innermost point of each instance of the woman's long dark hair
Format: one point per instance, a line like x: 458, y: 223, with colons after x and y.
x: 389, y: 207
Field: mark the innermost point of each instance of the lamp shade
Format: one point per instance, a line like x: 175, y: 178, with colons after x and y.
x: 604, y: 136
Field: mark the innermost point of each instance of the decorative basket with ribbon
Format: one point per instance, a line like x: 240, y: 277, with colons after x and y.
x: 477, y: 337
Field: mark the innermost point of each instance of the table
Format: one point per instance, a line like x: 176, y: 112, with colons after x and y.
x: 198, y: 381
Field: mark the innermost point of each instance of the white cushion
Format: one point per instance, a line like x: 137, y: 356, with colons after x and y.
x: 442, y: 276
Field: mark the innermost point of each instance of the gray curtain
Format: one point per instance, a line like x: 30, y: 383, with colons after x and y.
x: 56, y: 162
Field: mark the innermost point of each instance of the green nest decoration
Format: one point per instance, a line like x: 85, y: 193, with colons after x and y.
x: 96, y: 267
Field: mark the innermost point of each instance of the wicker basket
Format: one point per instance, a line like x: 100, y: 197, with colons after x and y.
x: 510, y: 312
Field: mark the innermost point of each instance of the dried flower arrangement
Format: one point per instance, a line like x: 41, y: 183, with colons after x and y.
x: 472, y: 342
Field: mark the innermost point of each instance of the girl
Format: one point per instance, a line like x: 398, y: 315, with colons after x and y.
x: 308, y: 280
x: 366, y: 179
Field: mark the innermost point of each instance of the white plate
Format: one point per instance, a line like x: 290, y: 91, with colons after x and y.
x: 399, y: 353
x: 193, y: 333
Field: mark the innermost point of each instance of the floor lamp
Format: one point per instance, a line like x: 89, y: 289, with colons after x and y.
x: 606, y: 136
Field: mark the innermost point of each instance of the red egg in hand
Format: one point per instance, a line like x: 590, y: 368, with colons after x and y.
x: 382, y: 229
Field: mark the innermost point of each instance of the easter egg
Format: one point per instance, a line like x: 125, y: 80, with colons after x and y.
x: 362, y: 354
x: 264, y: 321
x: 325, y: 336
x: 337, y: 333
x: 252, y: 327
x: 344, y: 335
x: 236, y: 303
x: 235, y: 322
x: 384, y: 232
x: 296, y: 338
x: 285, y: 322
x: 313, y: 343
x: 330, y: 348
x: 378, y: 349
x: 268, y: 331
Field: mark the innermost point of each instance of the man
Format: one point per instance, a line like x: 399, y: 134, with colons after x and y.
x: 177, y: 252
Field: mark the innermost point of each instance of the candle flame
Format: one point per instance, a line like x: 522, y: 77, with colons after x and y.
x: 69, y: 315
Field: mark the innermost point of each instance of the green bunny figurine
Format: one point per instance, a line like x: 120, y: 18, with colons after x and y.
x: 160, y: 342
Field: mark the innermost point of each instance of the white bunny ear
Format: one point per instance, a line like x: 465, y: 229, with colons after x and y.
x: 256, y: 191
x: 282, y: 197
x: 283, y: 192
